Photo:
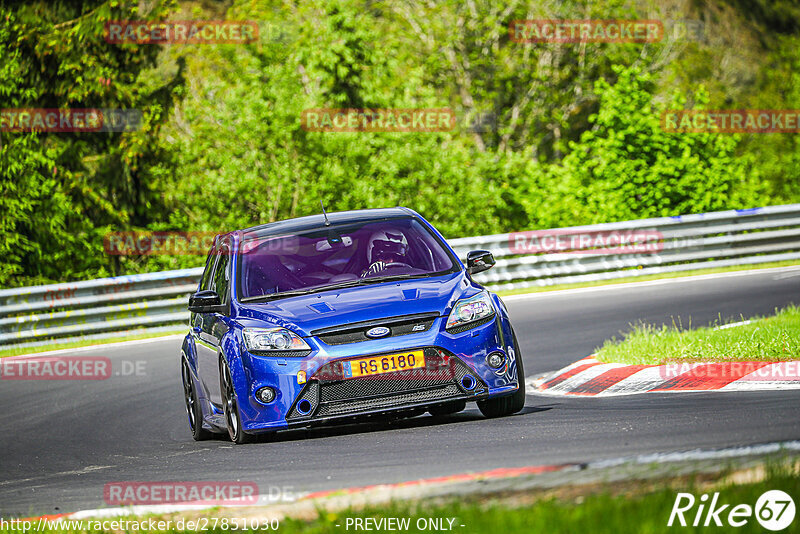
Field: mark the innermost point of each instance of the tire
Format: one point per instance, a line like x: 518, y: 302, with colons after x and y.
x: 230, y: 406
x: 510, y: 404
x: 448, y: 408
x: 193, y: 410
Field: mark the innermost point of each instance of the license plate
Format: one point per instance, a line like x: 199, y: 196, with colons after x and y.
x: 378, y: 365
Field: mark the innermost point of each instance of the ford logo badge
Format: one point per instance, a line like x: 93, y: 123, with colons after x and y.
x: 378, y: 331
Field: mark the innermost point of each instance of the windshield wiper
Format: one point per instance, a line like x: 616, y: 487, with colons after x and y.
x: 391, y: 278
x: 299, y: 292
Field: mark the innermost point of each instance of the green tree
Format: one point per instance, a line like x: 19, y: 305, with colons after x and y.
x: 61, y: 191
x: 627, y: 166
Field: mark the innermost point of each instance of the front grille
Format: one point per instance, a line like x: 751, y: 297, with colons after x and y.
x: 440, y: 380
x: 355, y: 332
x: 370, y: 387
x: 399, y: 399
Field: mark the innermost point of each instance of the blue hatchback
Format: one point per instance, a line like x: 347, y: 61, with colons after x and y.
x: 343, y: 317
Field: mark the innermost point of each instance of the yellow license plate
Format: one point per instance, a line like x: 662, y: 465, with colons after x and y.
x: 378, y: 365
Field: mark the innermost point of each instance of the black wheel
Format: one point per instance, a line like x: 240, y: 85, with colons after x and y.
x: 230, y: 406
x: 512, y: 403
x: 192, y: 406
x: 448, y: 408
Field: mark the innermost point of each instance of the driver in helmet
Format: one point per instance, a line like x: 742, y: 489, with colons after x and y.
x: 385, y: 250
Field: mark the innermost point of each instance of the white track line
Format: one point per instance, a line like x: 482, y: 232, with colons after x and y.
x: 761, y: 385
x: 100, y: 346
x: 733, y: 325
x: 701, y: 454
x: 647, y: 283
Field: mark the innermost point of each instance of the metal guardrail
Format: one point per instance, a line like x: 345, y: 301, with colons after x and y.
x: 96, y: 309
x: 110, y: 307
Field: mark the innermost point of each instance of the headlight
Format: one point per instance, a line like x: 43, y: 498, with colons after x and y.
x: 469, y: 310
x: 272, y: 339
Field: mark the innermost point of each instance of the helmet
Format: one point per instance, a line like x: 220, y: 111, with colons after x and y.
x: 387, y: 246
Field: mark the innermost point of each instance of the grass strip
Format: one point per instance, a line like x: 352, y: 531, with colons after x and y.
x: 775, y: 338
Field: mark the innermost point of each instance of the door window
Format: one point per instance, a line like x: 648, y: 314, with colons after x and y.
x: 221, y: 283
x: 205, y: 281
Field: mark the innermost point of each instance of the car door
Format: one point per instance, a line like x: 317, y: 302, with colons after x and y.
x: 212, y: 325
x: 196, y: 320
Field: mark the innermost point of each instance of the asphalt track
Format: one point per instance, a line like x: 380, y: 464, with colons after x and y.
x: 63, y: 441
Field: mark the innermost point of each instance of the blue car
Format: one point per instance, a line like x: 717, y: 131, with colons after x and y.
x: 343, y: 317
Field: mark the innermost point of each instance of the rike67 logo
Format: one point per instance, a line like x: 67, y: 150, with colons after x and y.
x: 774, y: 510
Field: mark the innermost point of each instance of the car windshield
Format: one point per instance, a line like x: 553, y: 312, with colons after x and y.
x: 339, y: 255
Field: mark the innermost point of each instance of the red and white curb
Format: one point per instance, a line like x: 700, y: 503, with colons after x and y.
x: 167, y: 508
x: 376, y: 493
x: 591, y: 377
x: 495, y: 480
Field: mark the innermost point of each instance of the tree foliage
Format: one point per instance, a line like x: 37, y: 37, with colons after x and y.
x: 62, y: 191
x: 573, y: 135
x: 626, y: 166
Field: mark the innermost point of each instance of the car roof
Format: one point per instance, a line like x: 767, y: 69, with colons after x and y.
x: 311, y: 222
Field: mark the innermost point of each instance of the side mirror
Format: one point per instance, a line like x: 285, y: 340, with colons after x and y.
x: 479, y: 261
x: 204, y: 302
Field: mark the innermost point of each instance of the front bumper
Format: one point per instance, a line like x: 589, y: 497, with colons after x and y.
x: 445, y: 378
x: 450, y: 357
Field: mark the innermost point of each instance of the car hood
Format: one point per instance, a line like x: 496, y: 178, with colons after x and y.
x: 306, y: 313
